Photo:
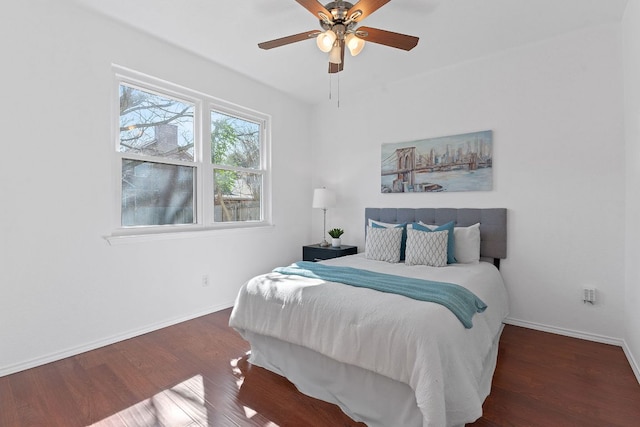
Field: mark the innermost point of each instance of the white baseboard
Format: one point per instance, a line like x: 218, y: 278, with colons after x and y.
x: 566, y: 332
x: 581, y: 335
x: 52, y: 357
x: 632, y: 361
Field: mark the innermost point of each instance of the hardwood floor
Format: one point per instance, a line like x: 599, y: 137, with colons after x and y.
x: 196, y: 373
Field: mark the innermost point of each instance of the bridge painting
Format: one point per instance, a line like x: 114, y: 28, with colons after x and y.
x: 451, y: 163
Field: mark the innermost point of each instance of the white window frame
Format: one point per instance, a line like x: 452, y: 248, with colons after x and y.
x: 203, y: 194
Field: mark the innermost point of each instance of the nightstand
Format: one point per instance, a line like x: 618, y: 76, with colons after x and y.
x: 318, y: 253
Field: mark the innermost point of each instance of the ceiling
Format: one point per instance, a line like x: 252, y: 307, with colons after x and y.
x: 450, y: 32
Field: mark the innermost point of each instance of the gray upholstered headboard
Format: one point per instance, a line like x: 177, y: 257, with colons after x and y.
x: 493, y: 223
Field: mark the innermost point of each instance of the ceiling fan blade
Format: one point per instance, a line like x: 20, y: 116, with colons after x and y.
x: 367, y: 7
x: 314, y: 6
x: 387, y: 38
x: 288, y: 39
x: 336, y: 68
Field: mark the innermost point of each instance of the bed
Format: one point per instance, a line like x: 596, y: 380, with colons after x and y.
x: 386, y: 359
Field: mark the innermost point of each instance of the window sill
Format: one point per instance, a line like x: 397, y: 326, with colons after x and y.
x: 126, y: 236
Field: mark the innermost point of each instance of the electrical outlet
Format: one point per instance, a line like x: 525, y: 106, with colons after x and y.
x: 205, y: 280
x: 589, y: 295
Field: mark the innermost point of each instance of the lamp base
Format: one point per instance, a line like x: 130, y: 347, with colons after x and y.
x: 324, y: 244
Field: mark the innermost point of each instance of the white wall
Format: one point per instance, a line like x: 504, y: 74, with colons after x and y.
x: 63, y: 288
x: 555, y: 108
x: 631, y: 49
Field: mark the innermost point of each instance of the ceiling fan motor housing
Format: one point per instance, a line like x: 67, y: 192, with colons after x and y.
x: 338, y: 11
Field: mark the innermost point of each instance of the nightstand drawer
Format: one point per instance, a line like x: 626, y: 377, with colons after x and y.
x: 318, y: 253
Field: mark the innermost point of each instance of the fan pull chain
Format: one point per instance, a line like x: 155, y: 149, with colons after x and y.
x: 331, y: 87
x: 338, y: 90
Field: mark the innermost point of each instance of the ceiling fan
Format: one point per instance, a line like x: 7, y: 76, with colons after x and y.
x: 339, y: 21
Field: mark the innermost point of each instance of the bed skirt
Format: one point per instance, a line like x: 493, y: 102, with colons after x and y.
x: 363, y: 395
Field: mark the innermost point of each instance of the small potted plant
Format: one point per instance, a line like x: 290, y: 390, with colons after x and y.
x: 335, y: 234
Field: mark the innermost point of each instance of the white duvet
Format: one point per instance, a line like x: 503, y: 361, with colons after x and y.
x: 418, y: 343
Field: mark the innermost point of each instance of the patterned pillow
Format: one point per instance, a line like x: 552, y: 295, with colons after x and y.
x: 451, y: 247
x: 403, y: 243
x: 427, y: 248
x: 383, y: 244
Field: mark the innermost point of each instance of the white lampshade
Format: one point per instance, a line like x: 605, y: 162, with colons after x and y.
x: 323, y: 198
x: 335, y: 56
x: 354, y: 43
x: 325, y: 40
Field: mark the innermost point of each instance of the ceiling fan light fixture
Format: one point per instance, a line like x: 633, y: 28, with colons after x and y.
x: 338, y: 20
x: 354, y: 43
x: 335, y: 54
x: 326, y: 40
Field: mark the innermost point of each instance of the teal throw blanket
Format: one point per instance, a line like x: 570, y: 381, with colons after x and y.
x: 462, y: 302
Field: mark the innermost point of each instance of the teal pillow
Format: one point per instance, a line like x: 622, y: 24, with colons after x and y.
x: 403, y: 242
x: 451, y: 248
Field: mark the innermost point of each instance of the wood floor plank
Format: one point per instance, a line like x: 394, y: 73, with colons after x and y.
x: 8, y: 410
x: 26, y: 398
x: 55, y: 395
x: 89, y: 398
x: 545, y: 379
x: 197, y: 373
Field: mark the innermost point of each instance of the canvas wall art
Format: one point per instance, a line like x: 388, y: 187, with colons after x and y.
x: 450, y: 163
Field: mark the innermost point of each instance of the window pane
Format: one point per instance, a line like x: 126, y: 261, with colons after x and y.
x: 234, y: 141
x: 155, y: 125
x: 237, y: 196
x: 157, y: 194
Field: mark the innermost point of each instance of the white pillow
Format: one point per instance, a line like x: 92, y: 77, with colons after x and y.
x: 429, y: 226
x: 383, y: 244
x: 381, y: 224
x: 467, y: 243
x: 426, y: 248
x: 467, y: 248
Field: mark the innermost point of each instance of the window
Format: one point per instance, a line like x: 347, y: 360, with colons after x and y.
x: 158, y: 166
x: 235, y: 155
x: 186, y: 160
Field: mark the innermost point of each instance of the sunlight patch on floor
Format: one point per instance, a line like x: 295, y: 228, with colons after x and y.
x: 180, y: 406
x: 237, y: 371
x: 248, y: 412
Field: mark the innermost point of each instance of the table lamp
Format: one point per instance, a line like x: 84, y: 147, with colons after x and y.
x: 323, y: 199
